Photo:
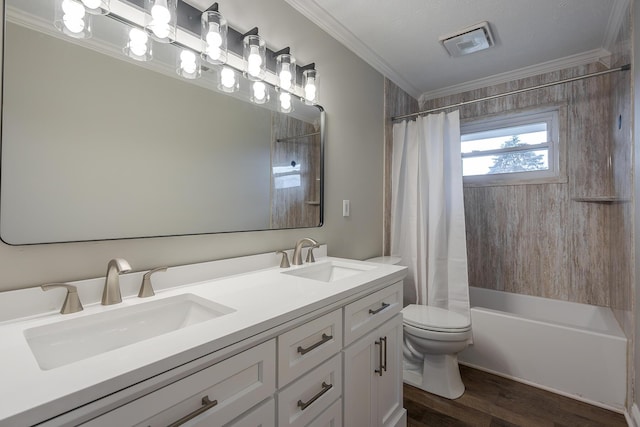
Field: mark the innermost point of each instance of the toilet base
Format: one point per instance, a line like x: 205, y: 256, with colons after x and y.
x: 442, y: 375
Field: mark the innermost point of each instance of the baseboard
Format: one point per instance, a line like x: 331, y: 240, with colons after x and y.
x: 633, y: 417
x: 400, y: 420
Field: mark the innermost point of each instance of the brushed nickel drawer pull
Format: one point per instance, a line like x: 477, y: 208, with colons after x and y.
x: 324, y: 339
x: 325, y: 388
x: 206, y: 405
x: 379, y: 370
x: 384, y: 305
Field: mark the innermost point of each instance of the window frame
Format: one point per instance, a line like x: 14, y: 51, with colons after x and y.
x: 552, y: 115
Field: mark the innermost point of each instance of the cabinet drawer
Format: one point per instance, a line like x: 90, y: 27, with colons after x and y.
x: 331, y: 417
x: 306, y: 398
x: 308, y: 345
x: 237, y: 384
x: 262, y: 416
x: 367, y: 313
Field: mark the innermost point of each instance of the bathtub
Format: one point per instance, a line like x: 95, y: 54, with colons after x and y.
x: 576, y: 350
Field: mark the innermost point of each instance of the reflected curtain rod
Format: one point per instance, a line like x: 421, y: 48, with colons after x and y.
x: 289, y: 138
x: 513, y: 92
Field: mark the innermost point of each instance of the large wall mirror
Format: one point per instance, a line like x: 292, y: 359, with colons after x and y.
x: 96, y: 146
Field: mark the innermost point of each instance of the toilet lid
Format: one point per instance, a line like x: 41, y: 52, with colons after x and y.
x: 435, y: 319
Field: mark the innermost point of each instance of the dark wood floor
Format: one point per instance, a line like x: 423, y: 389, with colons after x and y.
x: 493, y: 401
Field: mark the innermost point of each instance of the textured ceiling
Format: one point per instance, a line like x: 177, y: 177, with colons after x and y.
x: 400, y: 37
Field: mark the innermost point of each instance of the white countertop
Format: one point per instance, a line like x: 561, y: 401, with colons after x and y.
x: 261, y: 299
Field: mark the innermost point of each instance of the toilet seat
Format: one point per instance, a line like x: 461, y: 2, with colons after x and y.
x: 435, y: 319
x: 427, y: 334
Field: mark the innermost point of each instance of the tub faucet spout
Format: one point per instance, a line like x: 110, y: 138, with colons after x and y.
x: 297, y: 252
x: 111, y: 292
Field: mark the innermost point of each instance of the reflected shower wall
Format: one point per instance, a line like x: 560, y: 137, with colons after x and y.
x: 295, y: 172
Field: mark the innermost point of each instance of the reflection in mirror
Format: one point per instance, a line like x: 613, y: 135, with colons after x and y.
x: 96, y: 146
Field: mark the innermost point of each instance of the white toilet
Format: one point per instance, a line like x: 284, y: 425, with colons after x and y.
x: 433, y: 337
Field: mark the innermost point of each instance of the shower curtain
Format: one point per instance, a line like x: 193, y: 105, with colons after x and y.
x: 427, y: 210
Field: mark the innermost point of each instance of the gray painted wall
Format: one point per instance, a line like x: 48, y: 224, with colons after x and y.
x: 352, y: 94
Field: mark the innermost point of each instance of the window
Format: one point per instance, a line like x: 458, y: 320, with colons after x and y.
x: 513, y: 149
x: 286, y: 176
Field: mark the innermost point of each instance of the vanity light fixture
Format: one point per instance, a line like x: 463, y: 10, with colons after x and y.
x: 138, y: 45
x: 72, y: 19
x: 285, y: 69
x: 254, y: 55
x: 231, y: 52
x: 259, y: 93
x: 161, y: 19
x: 213, y: 34
x: 228, y: 81
x: 310, y: 84
x: 188, y: 64
x: 96, y: 7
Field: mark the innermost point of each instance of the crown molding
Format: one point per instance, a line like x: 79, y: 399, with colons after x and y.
x: 616, y: 19
x: 588, y: 57
x: 319, y: 16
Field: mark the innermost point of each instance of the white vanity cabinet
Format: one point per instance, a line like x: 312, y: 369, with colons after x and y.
x: 338, y: 365
x: 373, y: 361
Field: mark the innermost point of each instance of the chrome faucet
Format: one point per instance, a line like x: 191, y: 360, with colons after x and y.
x: 297, y: 252
x: 111, y: 292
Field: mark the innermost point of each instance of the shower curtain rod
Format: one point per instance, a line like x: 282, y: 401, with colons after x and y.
x: 513, y: 92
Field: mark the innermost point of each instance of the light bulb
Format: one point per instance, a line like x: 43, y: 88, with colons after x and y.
x: 92, y: 4
x: 214, y: 52
x: 227, y: 77
x: 214, y: 39
x: 259, y: 91
x: 137, y: 36
x: 285, y: 101
x: 138, y: 40
x: 254, y: 61
x: 73, y: 24
x: 161, y: 30
x: 285, y: 78
x: 188, y: 61
x: 160, y: 12
x: 310, y: 90
x: 72, y: 9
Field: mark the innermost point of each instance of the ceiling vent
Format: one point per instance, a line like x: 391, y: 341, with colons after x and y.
x: 470, y: 40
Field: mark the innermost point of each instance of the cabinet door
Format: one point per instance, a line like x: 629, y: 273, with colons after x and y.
x: 360, y: 360
x: 389, y: 387
x: 373, y: 377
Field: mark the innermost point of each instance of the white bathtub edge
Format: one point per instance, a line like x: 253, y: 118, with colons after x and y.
x: 620, y: 410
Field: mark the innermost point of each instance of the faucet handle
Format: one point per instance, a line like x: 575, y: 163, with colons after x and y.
x: 285, y: 259
x: 146, y: 290
x: 72, y: 302
x: 310, y: 257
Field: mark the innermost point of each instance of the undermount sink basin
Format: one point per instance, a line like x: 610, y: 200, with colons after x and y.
x: 76, y: 339
x: 329, y: 271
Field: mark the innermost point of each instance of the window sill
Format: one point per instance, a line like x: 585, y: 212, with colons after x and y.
x: 486, y: 181
x: 601, y: 199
